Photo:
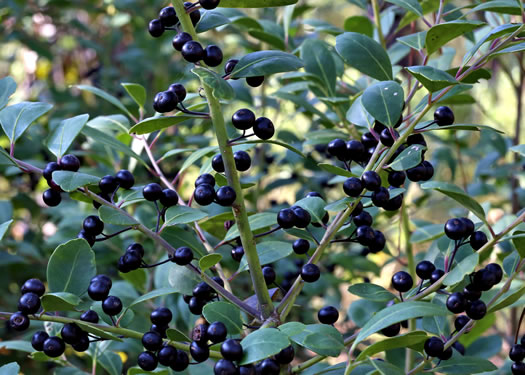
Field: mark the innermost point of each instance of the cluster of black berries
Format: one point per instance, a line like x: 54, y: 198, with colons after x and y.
x: 132, y: 258
x: 205, y: 193
x: 373, y: 240
x: 52, y: 196
x: 193, y: 52
x: 242, y: 159
x: 461, y: 229
x: 98, y: 290
x: 244, y: 119
x: 201, y: 295
x: 517, y: 354
x: 29, y: 303
x: 156, y: 350
x: 153, y: 192
x: 92, y: 226
x: 294, y: 216
x: 168, y: 18
x: 435, y: 347
x: 169, y: 100
x: 254, y: 81
x: 237, y: 253
x: 109, y: 185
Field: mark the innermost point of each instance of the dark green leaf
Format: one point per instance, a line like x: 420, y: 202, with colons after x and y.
x: 272, y: 39
x: 257, y: 221
x: 336, y: 170
x: 262, y: 344
x: 114, y: 216
x: 264, y: 63
x: 384, y: 101
x: 139, y: 371
x: 460, y: 270
x: 441, y: 34
x: 318, y: 60
x: 211, y: 20
x: 153, y: 294
x: 431, y: 78
x: 415, y: 41
x: 519, y: 242
x: 182, y: 279
x: 221, y: 88
x: 359, y: 24
x: 508, y: 299
x: 465, y: 365
x: 427, y: 233
x: 5, y: 159
x: 71, y: 181
x: 107, y: 97
x: 269, y: 252
x: 226, y: 313
x: 385, y: 368
x: 153, y: 124
x: 137, y: 93
x: 17, y: 118
x: 60, y: 301
x: 408, y: 158
x: 208, y: 261
x: 98, y: 332
x: 111, y: 362
x: 71, y: 267
x: 7, y: 88
x: 175, y: 335
x: 410, y: 339
x: 410, y: 5
x: 339, y: 205
x: 181, y: 237
x: 65, y: 133
x: 498, y: 6
x: 322, y: 339
x: 364, y: 54
x: 255, y: 3
x: 358, y: 115
x: 472, y: 77
x: 314, y: 206
x: 4, y: 227
x: 472, y: 127
x: 273, y: 142
x: 397, y: 313
x: 182, y: 215
x: 371, y: 292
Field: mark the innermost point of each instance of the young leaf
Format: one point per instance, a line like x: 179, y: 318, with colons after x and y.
x: 71, y: 181
x: 64, y: 134
x: 269, y: 252
x: 408, y: 158
x: 7, y: 88
x: 431, y: 78
x: 384, y: 101
x: 137, y: 93
x: 264, y: 63
x: 60, y: 301
x: 16, y: 119
x: 359, y: 24
x: 441, y: 34
x: 71, y: 267
x: 262, y: 344
x: 224, y: 312
x: 364, y: 54
x: 208, y: 261
x: 336, y: 170
x: 257, y: 221
x: 410, y: 340
x: 107, y: 97
x: 371, y: 292
x: 183, y: 215
x: 112, y: 216
x: 221, y: 88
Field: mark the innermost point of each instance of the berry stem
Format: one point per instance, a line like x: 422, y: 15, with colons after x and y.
x: 518, y: 327
x: 377, y: 18
x: 108, y: 236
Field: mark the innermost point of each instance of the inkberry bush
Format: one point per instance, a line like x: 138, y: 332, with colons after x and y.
x: 302, y: 197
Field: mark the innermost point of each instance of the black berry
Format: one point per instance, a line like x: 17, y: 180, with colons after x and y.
x: 417, y: 173
x: 19, y: 321
x: 402, y: 281
x: 152, y: 341
x: 232, y: 350
x: 193, y: 52
x: 168, y: 16
x: 310, y: 273
x: 285, y: 356
x: 204, y: 194
x: 263, y: 128
x: 353, y: 187
x: 455, y: 229
x: 302, y: 217
x: 37, y: 341
x: 328, y: 315
x: 213, y: 56
x: 230, y: 66
x: 195, y: 15
x: 434, y: 346
x: 33, y: 286
x: 242, y: 161
x: 112, y: 305
x: 396, y: 178
x: 255, y: 81
x: 147, y: 361
x: 180, y: 40
x: 217, y: 163
x: 365, y: 235
x: 444, y: 116
x: 205, y: 178
x: 98, y: 290
x: 237, y: 253
x: 517, y: 353
x: 476, y: 310
x: 364, y: 218
x: 90, y: 316
x: 355, y: 151
x: 181, y: 362
x: 195, y: 305
x: 69, y: 163
x: 286, y: 218
x: 471, y: 293
x: 456, y: 303
x: 165, y: 101
x: 161, y: 316
x: 51, y: 197
x: 269, y: 367
x: 337, y: 148
x: 183, y: 256
x: 199, y: 353
x: 478, y: 239
x: 371, y: 181
x: 209, y: 4
x: 152, y: 192
x: 92, y: 225
x: 155, y: 28
x: 217, y: 332
x: 460, y: 322
x: 386, y: 137
x: 169, y: 198
x: 269, y: 275
x: 243, y: 119
x: 125, y: 179
x: 424, y: 269
x: 518, y: 368
x: 49, y: 169
x: 301, y: 246
x: 54, y: 347
x: 380, y: 197
x: 179, y: 90
x: 392, y: 330
x: 167, y: 355
x: 71, y: 333
x: 108, y: 184
x: 225, y: 196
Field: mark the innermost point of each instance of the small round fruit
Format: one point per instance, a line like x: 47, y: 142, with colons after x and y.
x: 269, y: 275
x: 217, y: 332
x: 402, y: 281
x: 165, y: 101
x: 434, y: 346
x: 225, y: 367
x: 230, y: 66
x: 392, y: 330
x: 476, y: 310
x: 125, y: 179
x: 328, y: 315
x: 183, y: 256
x: 199, y: 353
x: 37, y: 341
x: 263, y: 128
x: 337, y: 148
x: 92, y: 225
x: 108, y: 184
x: 429, y: 171
x: 368, y: 140
x: 195, y: 15
x: 69, y: 163
x: 455, y: 229
x: 169, y: 198
x: 496, y: 270
x: 444, y: 116
x: 89, y: 238
x: 167, y: 355
x: 49, y: 169
x: 517, y: 353
x: 156, y: 28
x: 152, y: 341
x: 353, y: 187
x: 200, y: 334
x: 232, y: 350
x: 243, y: 119
x: 379, y: 242
x: 446, y: 355
x: 71, y: 333
x: 193, y: 52
x: 269, y: 367
x: 285, y: 356
x: 471, y: 293
x: 217, y: 163
x: 355, y: 151
x: 460, y: 322
x: 302, y: 217
x: 478, y: 239
x: 204, y: 194
x: 371, y: 181
x: 209, y: 4
x: 417, y: 173
x: 310, y: 273
x: 98, y: 290
x: 90, y: 316
x: 205, y: 178
x: 19, y: 321
x: 112, y: 305
x: 225, y: 196
x: 54, y: 347
x: 364, y: 218
x: 195, y: 305
x: 242, y: 160
x: 237, y: 253
x: 51, y: 198
x: 286, y: 218
x: 83, y: 343
x: 181, y: 362
x: 247, y: 370
x: 436, y: 275
x: 152, y: 192
x: 213, y: 56
x: 459, y: 347
x: 168, y: 16
x: 301, y: 246
x: 396, y: 178
x: 394, y: 204
x: 456, y: 303
x: 386, y: 137
x: 484, y: 279
x: 180, y: 40
x: 518, y: 368
x: 255, y: 81
x: 416, y: 139
x: 365, y: 235
x: 161, y: 316
x: 380, y: 197
x: 179, y: 90
x: 33, y: 286
x: 424, y: 269
x: 147, y: 361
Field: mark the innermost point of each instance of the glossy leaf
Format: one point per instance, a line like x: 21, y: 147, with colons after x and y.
x: 71, y: 181
x: 181, y: 237
x: 358, y: 115
x: 498, y: 6
x: 431, y: 78
x: 226, y: 313
x: 471, y: 127
x: 153, y: 294
x: 112, y: 216
x: 221, y: 88
x: 268, y: 252
x: 507, y: 299
x: 410, y: 5
x: 441, y: 34
x: 262, y: 344
x: 415, y: 41
x: 264, y: 63
x: 322, y: 339
x: 16, y: 119
x: 107, y: 97
x: 139, y: 371
x: 465, y: 365
x: 512, y: 49
x: 318, y: 60
x: 257, y: 221
x: 20, y: 345
x: 137, y: 93
x: 211, y: 20
x: 384, y: 101
x: 410, y: 339
x: 208, y: 261
x: 71, y: 267
x: 182, y: 215
x: 111, y: 362
x: 60, y: 301
x: 460, y: 270
x: 371, y: 292
x: 520, y: 149
x: 408, y: 158
x: 364, y: 54
x: 65, y: 133
x: 385, y: 368
x: 255, y: 3
x: 7, y: 88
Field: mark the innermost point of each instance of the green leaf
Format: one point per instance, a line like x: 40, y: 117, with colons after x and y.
x: 175, y: 335
x: 107, y: 97
x: 255, y: 3
x: 153, y: 124
x: 273, y: 39
x: 139, y: 371
x: 153, y: 294
x: 427, y: 233
x: 182, y: 279
x: 507, y: 299
x: 273, y: 142
x: 60, y: 301
x: 385, y: 368
x: 183, y: 215
x: 198, y: 154
x: 257, y: 221
x: 364, y: 54
x: 431, y: 78
x: 339, y: 205
x: 497, y: 6
x: 318, y: 60
x: 4, y: 227
x: 71, y: 267
x: 20, y: 345
x: 65, y: 133
x: 520, y: 149
x: 16, y: 119
x: 7, y: 88
x: 458, y: 195
x: 465, y: 267
x: 408, y: 158
x: 415, y: 41
x: 410, y: 339
x: 5, y: 159
x: 11, y: 368
x: 262, y: 344
x: 384, y: 101
x: 211, y: 20
x: 221, y: 88
x: 441, y: 34
x: 512, y: 49
x: 322, y: 339
x: 371, y: 292
x: 226, y: 313
x: 519, y: 242
x: 314, y: 206
x: 336, y: 170
x: 111, y: 362
x: 269, y: 252
x: 472, y: 77
x: 359, y: 24
x: 98, y: 332
x: 471, y: 127
x: 465, y: 365
x: 71, y: 181
x: 491, y: 35
x: 410, y: 5
x: 208, y: 261
x: 137, y: 93
x: 264, y: 63
x: 181, y: 237
x: 397, y: 313
x: 112, y: 216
